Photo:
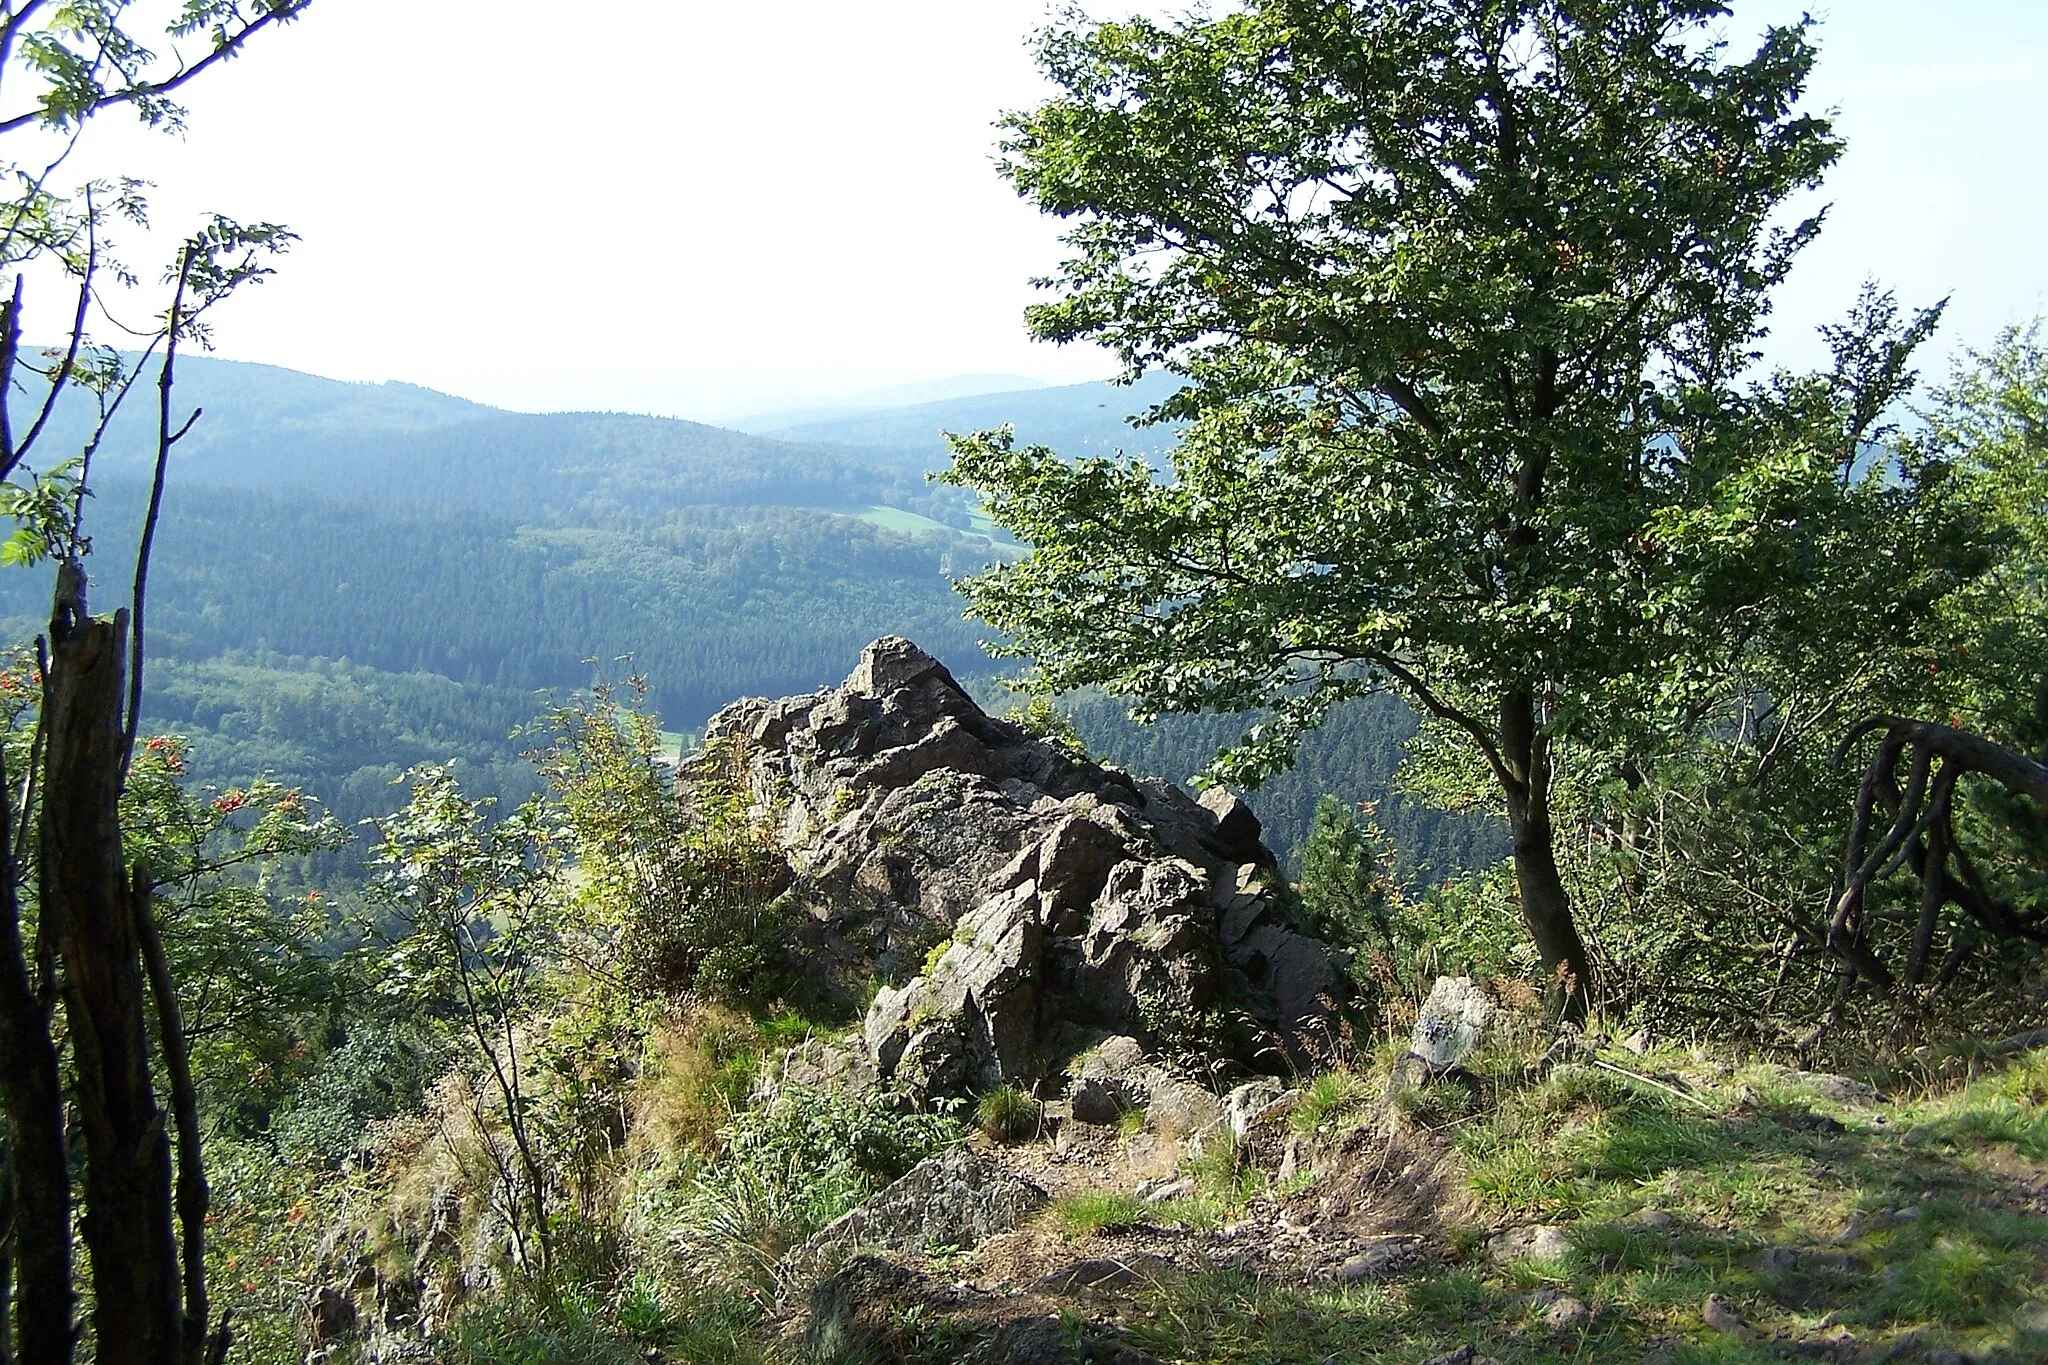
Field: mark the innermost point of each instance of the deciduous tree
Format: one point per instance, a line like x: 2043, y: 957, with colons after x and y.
x: 1466, y: 296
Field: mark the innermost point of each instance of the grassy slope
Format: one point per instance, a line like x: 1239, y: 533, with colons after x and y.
x: 1893, y: 1230
x: 1910, y: 1229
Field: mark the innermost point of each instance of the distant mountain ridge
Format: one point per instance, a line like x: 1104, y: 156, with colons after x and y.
x: 771, y: 420
x: 1075, y: 419
x: 353, y: 576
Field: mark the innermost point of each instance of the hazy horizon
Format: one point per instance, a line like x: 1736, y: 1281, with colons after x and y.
x: 656, y: 226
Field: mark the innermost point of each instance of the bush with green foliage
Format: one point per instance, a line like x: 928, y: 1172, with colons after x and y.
x: 1046, y: 721
x: 673, y: 862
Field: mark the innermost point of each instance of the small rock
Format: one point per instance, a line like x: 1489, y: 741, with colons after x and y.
x: 1171, y: 1189
x: 1718, y: 1313
x: 1047, y: 1339
x: 1452, y: 1022
x: 1842, y: 1090
x: 957, y: 1198
x: 1376, y: 1263
x: 1567, y: 1314
x: 333, y: 1313
x: 1638, y: 1042
x: 856, y: 1304
x: 1530, y: 1244
x: 1290, y: 1161
x: 1464, y: 1355
x: 1090, y: 1274
x: 1830, y: 1340
x: 1105, y: 1099
x: 1237, y: 830
x: 1180, y: 1108
x: 1653, y: 1220
x: 1257, y: 1102
x: 1776, y: 1261
x: 2032, y: 1318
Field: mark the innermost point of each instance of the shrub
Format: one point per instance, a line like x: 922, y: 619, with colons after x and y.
x: 1223, y: 1175
x: 785, y: 1171
x: 695, y: 1073
x: 380, y: 1070
x: 1348, y: 891
x: 1047, y: 722
x: 681, y: 872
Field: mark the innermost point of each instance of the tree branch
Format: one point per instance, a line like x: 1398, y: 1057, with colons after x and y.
x: 283, y: 13
x: 165, y: 439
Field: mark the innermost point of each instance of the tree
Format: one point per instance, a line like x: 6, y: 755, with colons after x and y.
x: 97, y: 976
x: 1970, y: 817
x: 1463, y: 294
x: 676, y: 876
x: 468, y: 905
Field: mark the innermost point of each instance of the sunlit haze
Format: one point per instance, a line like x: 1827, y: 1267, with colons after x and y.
x: 708, y: 210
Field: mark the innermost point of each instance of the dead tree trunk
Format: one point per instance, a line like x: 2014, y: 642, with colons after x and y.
x: 92, y: 912
x: 1922, y: 835
x: 33, y: 1099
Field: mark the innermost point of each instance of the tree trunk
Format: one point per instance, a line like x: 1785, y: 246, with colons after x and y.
x: 33, y: 1098
x: 1545, y: 904
x: 137, y: 1316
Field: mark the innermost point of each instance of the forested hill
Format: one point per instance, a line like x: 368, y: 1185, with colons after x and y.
x: 400, y: 445
x: 1075, y: 419
x: 353, y: 578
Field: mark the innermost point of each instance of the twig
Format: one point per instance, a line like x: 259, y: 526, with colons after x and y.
x: 1667, y: 1089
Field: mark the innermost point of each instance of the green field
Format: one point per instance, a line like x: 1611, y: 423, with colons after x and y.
x: 911, y: 523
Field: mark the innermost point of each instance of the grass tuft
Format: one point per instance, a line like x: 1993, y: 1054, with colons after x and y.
x: 1087, y: 1212
x: 1326, y: 1099
x: 1007, y: 1114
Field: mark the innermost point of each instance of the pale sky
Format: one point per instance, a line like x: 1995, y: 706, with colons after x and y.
x: 705, y: 210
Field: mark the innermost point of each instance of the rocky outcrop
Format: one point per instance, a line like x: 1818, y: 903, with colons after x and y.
x: 959, y: 1198
x: 1024, y: 903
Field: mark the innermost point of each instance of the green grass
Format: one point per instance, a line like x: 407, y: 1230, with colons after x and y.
x: 546, y: 1326
x: 1224, y: 1177
x: 1328, y: 1098
x: 1914, y: 1226
x: 1907, y: 1223
x: 1007, y: 1114
x: 1087, y: 1212
x: 908, y: 523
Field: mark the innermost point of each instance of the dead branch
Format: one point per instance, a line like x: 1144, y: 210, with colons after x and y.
x: 1922, y: 835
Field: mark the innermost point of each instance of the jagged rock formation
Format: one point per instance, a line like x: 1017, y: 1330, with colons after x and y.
x: 1028, y: 905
